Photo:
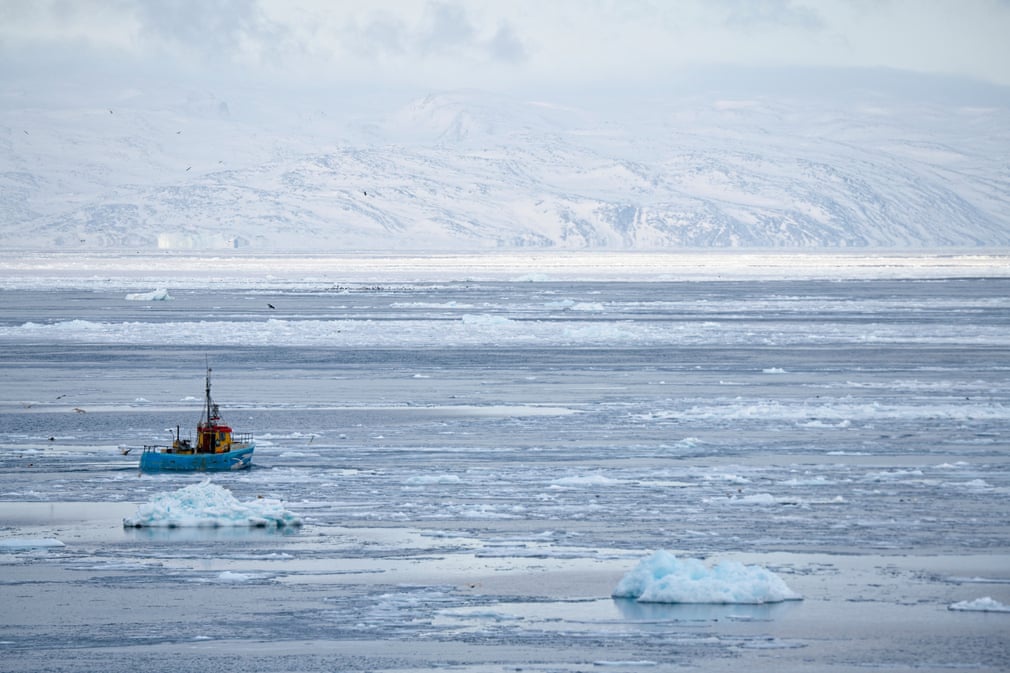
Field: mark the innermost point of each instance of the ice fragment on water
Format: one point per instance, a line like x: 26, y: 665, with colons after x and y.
x: 155, y: 295
x: 986, y: 604
x: 30, y: 543
x: 209, y: 505
x: 664, y: 578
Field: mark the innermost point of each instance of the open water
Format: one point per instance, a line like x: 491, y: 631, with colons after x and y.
x: 478, y: 463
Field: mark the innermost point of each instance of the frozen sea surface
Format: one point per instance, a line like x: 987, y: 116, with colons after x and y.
x: 478, y: 462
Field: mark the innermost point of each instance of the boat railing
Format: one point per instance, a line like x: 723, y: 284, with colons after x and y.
x: 241, y: 438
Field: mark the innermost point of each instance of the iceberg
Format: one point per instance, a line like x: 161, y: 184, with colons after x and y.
x: 664, y: 578
x: 211, y: 506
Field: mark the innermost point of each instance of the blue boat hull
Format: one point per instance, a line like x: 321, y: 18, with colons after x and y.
x: 158, y: 461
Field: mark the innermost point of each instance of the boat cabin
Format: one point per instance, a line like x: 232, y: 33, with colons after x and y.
x: 213, y: 438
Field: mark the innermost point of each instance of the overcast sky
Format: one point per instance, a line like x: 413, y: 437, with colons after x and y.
x: 498, y: 45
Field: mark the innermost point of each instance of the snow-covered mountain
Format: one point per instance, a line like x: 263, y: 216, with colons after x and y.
x: 471, y: 170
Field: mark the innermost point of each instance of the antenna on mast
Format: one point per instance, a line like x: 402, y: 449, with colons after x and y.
x: 209, y: 410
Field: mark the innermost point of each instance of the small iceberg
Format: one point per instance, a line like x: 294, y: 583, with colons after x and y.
x: 207, y: 505
x: 986, y: 604
x: 155, y: 295
x: 664, y: 578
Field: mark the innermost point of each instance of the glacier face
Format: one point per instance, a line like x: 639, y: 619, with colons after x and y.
x: 474, y: 170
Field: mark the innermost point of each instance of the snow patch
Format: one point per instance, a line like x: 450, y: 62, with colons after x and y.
x: 664, y: 578
x: 209, y: 505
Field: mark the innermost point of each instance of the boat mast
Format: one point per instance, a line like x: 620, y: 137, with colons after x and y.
x: 209, y: 403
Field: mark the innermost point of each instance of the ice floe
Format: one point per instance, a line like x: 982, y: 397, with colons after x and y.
x: 986, y: 604
x: 637, y: 663
x: 20, y: 543
x: 209, y: 505
x: 231, y: 577
x: 664, y: 578
x: 432, y: 479
x: 485, y: 320
x: 154, y: 295
x: 587, y: 480
x: 572, y: 305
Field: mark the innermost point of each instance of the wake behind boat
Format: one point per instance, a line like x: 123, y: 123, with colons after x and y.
x: 217, y: 447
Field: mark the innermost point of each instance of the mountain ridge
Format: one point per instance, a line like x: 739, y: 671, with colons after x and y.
x: 474, y: 170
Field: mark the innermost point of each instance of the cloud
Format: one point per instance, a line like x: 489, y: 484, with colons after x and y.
x: 207, y: 33
x: 214, y: 26
x: 770, y: 14
x: 505, y: 45
x: 443, y: 31
x: 214, y: 30
x: 382, y: 33
x: 445, y: 27
x: 439, y: 44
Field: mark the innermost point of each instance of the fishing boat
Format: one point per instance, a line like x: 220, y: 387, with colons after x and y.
x: 217, y: 448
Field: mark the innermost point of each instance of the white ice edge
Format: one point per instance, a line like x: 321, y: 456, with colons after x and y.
x: 45, y: 270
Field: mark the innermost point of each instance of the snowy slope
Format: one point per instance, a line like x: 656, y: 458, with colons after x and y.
x: 470, y: 170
